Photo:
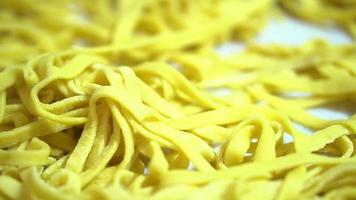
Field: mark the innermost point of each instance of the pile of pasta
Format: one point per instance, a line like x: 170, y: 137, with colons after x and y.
x: 130, y: 100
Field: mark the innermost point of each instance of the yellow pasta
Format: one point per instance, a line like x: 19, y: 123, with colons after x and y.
x: 117, y: 100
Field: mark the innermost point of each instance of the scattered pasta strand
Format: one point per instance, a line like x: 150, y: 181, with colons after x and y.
x: 325, y: 11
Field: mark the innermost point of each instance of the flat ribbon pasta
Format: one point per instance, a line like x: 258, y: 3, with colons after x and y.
x: 130, y: 100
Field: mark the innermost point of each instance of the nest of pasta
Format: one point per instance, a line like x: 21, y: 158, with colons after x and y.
x: 130, y: 100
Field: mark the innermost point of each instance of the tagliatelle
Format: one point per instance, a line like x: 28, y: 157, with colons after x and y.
x: 118, y: 100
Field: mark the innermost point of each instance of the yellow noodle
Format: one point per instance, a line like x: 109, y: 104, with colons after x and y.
x: 116, y: 100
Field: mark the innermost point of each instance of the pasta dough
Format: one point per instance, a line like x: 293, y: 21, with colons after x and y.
x: 117, y: 100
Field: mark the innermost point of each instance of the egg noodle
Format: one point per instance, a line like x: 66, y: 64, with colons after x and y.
x: 130, y: 100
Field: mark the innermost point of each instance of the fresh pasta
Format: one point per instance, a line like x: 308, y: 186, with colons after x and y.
x: 119, y: 100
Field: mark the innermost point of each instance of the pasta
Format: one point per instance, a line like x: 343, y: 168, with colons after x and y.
x: 118, y: 100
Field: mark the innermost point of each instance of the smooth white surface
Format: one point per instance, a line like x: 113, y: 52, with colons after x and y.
x: 293, y: 32
x: 289, y: 31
